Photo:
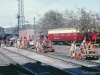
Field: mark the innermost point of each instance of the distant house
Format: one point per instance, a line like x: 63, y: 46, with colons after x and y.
x: 9, y: 30
x: 26, y: 32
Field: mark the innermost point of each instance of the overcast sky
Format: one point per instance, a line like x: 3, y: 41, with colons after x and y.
x: 36, y: 8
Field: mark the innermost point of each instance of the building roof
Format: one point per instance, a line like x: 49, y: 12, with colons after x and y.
x: 62, y: 30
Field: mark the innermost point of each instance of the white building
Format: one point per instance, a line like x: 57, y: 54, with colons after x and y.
x: 27, y: 34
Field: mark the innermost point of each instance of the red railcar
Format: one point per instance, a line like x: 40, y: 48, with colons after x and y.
x: 65, y: 35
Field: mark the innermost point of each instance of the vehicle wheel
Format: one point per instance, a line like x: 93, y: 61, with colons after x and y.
x: 80, y: 56
x: 96, y: 57
x: 88, y: 57
x: 39, y: 49
x: 52, y: 50
x: 76, y: 55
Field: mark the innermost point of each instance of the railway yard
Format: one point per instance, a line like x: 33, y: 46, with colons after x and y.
x: 49, y: 37
x: 31, y: 62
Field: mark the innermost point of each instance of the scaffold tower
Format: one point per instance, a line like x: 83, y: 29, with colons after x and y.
x: 20, y: 15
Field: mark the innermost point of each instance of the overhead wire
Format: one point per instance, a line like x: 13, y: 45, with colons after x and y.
x: 50, y: 3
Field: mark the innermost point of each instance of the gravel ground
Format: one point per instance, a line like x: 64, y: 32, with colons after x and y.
x: 63, y: 49
x: 42, y: 58
x: 48, y: 60
x: 66, y: 49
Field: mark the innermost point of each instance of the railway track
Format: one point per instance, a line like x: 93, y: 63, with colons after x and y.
x: 34, y: 66
x: 82, y: 61
x: 10, y: 67
x: 85, y: 65
x: 64, y: 55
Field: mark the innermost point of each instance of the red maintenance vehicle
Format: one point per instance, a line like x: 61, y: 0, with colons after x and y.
x: 44, y: 45
x: 90, y: 49
x: 90, y: 52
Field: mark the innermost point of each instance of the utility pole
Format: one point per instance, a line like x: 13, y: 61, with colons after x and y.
x: 18, y: 17
x: 34, y: 31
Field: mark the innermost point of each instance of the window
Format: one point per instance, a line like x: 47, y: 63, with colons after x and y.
x: 68, y: 34
x: 97, y: 33
x: 62, y: 34
x: 75, y: 34
x: 81, y: 34
x: 55, y: 34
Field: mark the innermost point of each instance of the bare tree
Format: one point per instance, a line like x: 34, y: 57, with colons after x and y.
x: 70, y: 19
x: 87, y: 22
x: 82, y: 20
x: 51, y: 19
